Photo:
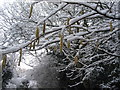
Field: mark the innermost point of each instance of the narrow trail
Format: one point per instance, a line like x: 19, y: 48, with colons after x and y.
x: 46, y: 73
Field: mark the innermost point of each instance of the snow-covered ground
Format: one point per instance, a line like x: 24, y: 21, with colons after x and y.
x: 40, y: 72
x: 24, y: 72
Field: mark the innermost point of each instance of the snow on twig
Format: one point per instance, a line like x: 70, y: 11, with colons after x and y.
x: 98, y: 62
x: 75, y: 84
x: 72, y: 21
x: 94, y: 7
x: 108, y: 52
x: 105, y: 35
x: 52, y: 13
x: 69, y: 37
x: 23, y: 45
x: 14, y: 48
x: 17, y: 47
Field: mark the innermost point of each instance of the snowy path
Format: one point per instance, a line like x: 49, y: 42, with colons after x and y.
x: 43, y: 75
x: 46, y: 74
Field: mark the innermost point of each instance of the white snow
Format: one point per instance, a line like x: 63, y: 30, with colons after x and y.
x: 23, y: 67
x: 32, y: 60
x: 52, y: 13
x: 11, y: 85
x: 72, y: 21
x: 75, y: 38
x: 74, y: 84
x: 77, y: 1
x: 14, y: 48
x: 32, y: 84
x: 17, y: 80
x: 26, y: 69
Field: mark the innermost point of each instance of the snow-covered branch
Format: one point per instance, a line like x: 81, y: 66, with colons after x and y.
x: 52, y: 13
x: 74, y: 20
x: 112, y: 54
x: 94, y: 7
x: 105, y: 35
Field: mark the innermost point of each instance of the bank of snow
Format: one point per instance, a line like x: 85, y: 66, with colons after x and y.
x: 22, y: 75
